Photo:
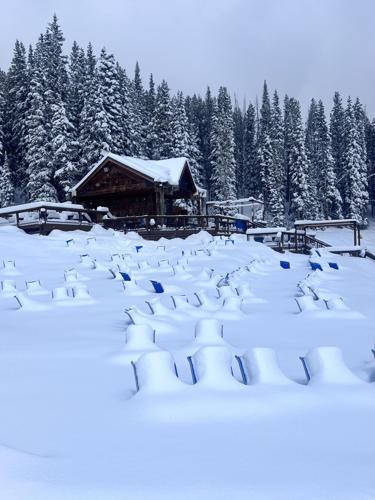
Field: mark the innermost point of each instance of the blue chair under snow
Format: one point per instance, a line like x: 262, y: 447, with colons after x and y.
x: 284, y: 264
x: 315, y: 266
x: 138, y: 247
x: 158, y: 287
x: 333, y: 265
x: 125, y: 276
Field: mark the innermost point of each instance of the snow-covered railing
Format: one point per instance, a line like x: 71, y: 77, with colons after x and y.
x: 43, y: 216
x: 219, y: 224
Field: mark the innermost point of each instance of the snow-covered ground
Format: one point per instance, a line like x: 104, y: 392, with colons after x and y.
x: 72, y: 425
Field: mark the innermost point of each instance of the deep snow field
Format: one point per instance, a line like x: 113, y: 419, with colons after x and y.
x: 72, y: 425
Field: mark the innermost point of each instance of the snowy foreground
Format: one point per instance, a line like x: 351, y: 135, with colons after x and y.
x: 73, y: 427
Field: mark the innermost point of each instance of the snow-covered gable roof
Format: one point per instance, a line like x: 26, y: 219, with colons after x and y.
x: 169, y: 170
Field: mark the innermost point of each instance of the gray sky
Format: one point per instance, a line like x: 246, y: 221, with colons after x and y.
x: 303, y: 47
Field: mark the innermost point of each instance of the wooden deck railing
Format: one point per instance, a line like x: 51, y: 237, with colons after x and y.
x: 218, y: 224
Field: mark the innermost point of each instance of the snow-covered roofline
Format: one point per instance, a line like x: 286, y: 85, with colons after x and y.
x: 165, y: 171
x: 241, y: 202
x: 36, y: 205
x: 323, y: 222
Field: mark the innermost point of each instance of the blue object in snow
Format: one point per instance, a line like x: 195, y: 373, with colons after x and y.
x: 242, y: 369
x: 135, y: 375
x: 317, y: 251
x: 193, y: 375
x: 259, y: 239
x: 158, y: 287
x: 284, y: 264
x: 138, y: 247
x: 125, y: 276
x: 227, y: 241
x: 305, y: 368
x: 241, y: 224
x: 315, y: 266
x: 334, y: 265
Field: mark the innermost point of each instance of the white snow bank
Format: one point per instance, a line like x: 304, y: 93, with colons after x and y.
x: 156, y: 373
x: 263, y: 368
x: 326, y: 365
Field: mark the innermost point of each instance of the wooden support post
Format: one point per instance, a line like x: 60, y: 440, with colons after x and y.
x: 17, y: 219
x: 295, y: 240
x: 355, y: 233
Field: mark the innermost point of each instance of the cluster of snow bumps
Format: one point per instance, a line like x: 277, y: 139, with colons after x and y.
x: 213, y: 298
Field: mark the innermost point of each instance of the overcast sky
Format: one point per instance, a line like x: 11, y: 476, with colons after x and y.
x: 303, y: 47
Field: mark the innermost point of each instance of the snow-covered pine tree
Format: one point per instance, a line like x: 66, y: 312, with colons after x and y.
x: 2, y: 116
x: 138, y: 115
x: 223, y: 165
x: 160, y: 126
x: 6, y: 184
x: 251, y: 174
x: 126, y: 126
x: 95, y: 134
x: 150, y: 99
x: 38, y: 156
x: 205, y: 137
x: 238, y: 135
x: 65, y: 171
x: 194, y: 106
x: 110, y: 98
x: 355, y: 204
x: 337, y: 133
x: 269, y: 162
x: 370, y: 148
x: 360, y: 118
x: 297, y: 163
x: 312, y: 147
x: 75, y: 100
x: 183, y: 140
x: 17, y: 89
x: 327, y: 193
x: 277, y: 139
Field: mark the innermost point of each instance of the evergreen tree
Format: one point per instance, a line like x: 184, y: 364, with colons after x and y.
x: 238, y: 135
x: 318, y: 146
x: 360, y: 118
x: 205, y: 137
x: 2, y: 117
x: 75, y: 101
x: 125, y: 122
x: 337, y: 133
x: 355, y: 201
x: 184, y: 142
x: 312, y: 151
x: 139, y: 127
x: 64, y: 169
x: 251, y: 174
x: 6, y: 185
x: 110, y: 102
x: 15, y: 111
x: 297, y: 164
x: 40, y: 177
x: 95, y: 134
x: 269, y: 159
x: 150, y: 100
x: 160, y: 127
x: 223, y: 165
x: 370, y: 148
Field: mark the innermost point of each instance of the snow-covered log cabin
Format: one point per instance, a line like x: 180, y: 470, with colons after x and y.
x: 131, y: 186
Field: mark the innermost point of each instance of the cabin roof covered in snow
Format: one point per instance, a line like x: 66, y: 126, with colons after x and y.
x: 168, y: 170
x: 36, y: 205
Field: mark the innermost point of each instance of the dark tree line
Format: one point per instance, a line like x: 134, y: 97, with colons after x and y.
x: 58, y: 114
